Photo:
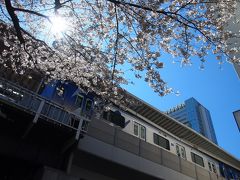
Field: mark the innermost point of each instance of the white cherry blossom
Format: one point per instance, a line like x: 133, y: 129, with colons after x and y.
x: 105, y: 35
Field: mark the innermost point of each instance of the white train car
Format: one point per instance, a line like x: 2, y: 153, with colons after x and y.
x: 157, y: 136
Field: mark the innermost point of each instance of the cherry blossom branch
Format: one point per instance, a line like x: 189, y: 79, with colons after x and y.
x: 188, y: 3
x: 186, y: 36
x: 167, y: 13
x: 32, y: 12
x: 11, y: 11
x: 58, y: 4
x: 75, y: 50
x: 15, y: 20
x: 116, y: 43
x: 134, y: 48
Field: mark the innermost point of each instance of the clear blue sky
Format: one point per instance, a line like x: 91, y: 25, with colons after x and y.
x: 217, y: 90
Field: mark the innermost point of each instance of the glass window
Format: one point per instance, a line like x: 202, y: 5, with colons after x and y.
x: 180, y: 150
x: 79, y: 100
x: 209, y: 166
x: 197, y: 159
x: 114, y: 117
x: 105, y: 115
x: 136, y: 129
x: 177, y: 150
x: 88, y: 104
x: 183, y: 152
x: 231, y: 174
x: 214, y: 169
x: 142, y: 132
x: 139, y: 130
x: 222, y: 170
x: 161, y: 141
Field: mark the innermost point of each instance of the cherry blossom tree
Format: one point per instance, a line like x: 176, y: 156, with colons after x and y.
x: 99, y: 40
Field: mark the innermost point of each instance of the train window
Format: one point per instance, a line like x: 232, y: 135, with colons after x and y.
x: 209, y: 166
x: 222, y: 170
x: 197, y: 159
x: 231, y: 175
x: 135, y: 129
x: 214, y: 169
x: 105, y: 115
x: 79, y: 100
x: 142, y: 132
x: 183, y: 153
x: 180, y: 151
x: 88, y: 104
x: 161, y: 141
x: 115, y: 118
x: 139, y: 130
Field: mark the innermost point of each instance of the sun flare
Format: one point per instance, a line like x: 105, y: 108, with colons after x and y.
x: 59, y: 25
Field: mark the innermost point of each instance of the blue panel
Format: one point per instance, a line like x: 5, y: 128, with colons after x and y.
x: 49, y: 90
x: 66, y: 93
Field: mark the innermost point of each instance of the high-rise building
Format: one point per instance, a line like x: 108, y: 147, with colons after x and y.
x: 236, y: 115
x: 196, y: 116
x: 233, y: 42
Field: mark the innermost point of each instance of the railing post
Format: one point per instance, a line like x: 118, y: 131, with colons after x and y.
x: 79, y: 129
x: 38, y: 111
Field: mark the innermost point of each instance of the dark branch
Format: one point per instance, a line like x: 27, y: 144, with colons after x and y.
x: 15, y: 20
x: 171, y: 15
x: 58, y: 5
x: 184, y: 6
x: 116, y: 45
x: 186, y: 36
x: 32, y: 12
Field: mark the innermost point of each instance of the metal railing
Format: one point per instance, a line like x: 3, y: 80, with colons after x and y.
x: 41, y: 107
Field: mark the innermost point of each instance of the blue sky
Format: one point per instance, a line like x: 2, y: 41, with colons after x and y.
x: 216, y: 89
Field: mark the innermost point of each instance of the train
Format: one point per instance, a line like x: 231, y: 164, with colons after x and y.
x: 159, y: 137
x: 68, y: 95
x: 71, y: 97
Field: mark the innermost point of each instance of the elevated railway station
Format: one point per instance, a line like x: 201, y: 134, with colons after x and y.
x: 42, y: 138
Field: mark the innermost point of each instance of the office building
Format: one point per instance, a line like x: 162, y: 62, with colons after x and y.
x: 236, y: 115
x: 233, y: 25
x: 196, y: 116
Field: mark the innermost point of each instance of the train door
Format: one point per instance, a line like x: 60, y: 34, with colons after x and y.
x: 212, y: 167
x: 180, y: 151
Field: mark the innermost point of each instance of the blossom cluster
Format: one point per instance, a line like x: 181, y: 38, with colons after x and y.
x: 104, y: 35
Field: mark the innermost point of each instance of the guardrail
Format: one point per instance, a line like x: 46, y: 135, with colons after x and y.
x: 41, y: 107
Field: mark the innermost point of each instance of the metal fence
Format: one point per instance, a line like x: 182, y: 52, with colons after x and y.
x: 41, y: 107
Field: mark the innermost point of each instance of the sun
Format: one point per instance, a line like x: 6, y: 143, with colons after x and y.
x: 58, y: 25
